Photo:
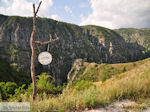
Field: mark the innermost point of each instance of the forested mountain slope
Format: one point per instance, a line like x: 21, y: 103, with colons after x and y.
x: 90, y: 43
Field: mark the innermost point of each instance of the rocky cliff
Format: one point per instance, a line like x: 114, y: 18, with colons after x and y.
x: 90, y: 43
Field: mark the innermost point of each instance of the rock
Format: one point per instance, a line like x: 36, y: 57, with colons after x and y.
x: 89, y: 43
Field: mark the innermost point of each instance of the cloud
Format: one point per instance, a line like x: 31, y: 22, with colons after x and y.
x: 45, y: 8
x: 68, y: 10
x: 18, y: 7
x: 55, y: 17
x: 6, y: 2
x: 118, y: 13
x: 84, y: 5
x: 24, y: 8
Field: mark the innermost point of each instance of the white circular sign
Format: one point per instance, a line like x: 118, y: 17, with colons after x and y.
x: 45, y: 58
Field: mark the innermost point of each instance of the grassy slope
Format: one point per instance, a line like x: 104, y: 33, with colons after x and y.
x: 100, y: 72
x: 133, y: 83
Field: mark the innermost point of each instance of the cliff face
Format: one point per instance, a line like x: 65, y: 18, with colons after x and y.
x: 90, y: 43
x: 132, y: 35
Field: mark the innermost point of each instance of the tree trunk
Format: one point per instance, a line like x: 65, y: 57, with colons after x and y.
x: 32, y: 45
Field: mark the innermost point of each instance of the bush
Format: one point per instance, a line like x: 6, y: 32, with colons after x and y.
x: 43, y: 85
x: 18, y: 92
x: 81, y: 85
x: 2, y: 96
x: 10, y: 87
x: 7, y: 89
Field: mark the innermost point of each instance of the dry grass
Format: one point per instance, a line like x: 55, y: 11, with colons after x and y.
x: 132, y: 84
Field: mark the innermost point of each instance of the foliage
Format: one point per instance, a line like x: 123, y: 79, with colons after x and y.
x: 81, y: 85
x: 90, y: 75
x: 2, y: 95
x: 10, y: 87
x: 127, y: 85
x: 131, y: 35
x: 18, y: 92
x: 147, y: 48
x: 13, y: 73
x: 45, y: 83
x: 7, y: 89
x: 99, y: 72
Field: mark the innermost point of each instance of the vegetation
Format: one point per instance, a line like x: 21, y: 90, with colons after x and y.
x: 131, y: 35
x: 7, y: 89
x: 45, y: 83
x: 127, y: 81
x: 101, y: 72
x: 12, y: 73
x: 95, y: 85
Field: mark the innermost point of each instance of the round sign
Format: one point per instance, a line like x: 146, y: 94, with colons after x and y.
x: 45, y: 58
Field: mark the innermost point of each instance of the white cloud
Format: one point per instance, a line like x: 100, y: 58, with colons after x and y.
x: 84, y: 5
x: 6, y: 2
x: 68, y: 10
x: 119, y: 13
x: 24, y: 8
x: 45, y: 8
x: 55, y: 17
x: 18, y: 7
x: 82, y: 17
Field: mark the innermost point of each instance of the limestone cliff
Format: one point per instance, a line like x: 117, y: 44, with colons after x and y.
x: 90, y: 43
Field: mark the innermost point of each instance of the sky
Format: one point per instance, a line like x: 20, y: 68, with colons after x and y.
x: 111, y: 14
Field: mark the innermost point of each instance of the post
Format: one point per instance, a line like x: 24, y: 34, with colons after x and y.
x: 32, y: 45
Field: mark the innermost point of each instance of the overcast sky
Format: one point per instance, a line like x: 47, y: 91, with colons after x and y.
x: 107, y: 13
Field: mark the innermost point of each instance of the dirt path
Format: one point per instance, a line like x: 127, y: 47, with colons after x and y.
x: 122, y: 106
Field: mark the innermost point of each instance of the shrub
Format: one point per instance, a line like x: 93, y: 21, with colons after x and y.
x: 2, y: 96
x: 81, y: 85
x: 9, y: 88
x: 2, y: 85
x: 43, y: 85
x: 18, y: 92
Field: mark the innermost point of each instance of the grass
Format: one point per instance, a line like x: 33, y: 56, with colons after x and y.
x: 133, y: 83
x: 101, y: 72
x: 137, y: 107
x: 124, y: 81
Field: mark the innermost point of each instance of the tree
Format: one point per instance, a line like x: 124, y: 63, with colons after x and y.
x: 32, y: 45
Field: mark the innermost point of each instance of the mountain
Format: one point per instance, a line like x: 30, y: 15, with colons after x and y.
x: 89, y: 43
x: 132, y: 35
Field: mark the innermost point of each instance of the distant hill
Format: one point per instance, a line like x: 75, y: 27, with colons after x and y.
x: 90, y: 43
x: 132, y: 35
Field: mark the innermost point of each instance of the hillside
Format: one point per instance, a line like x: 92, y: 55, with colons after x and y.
x: 114, y: 82
x: 132, y: 35
x: 101, y: 72
x: 101, y: 87
x: 128, y: 86
x: 90, y: 43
